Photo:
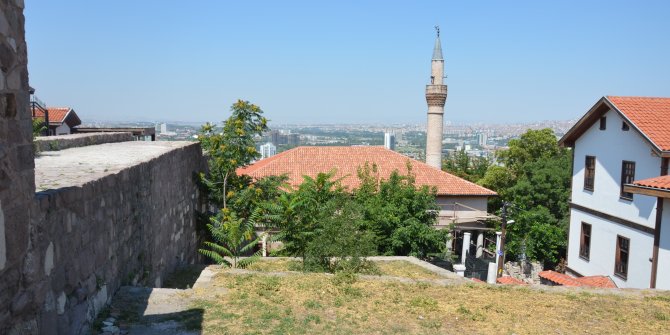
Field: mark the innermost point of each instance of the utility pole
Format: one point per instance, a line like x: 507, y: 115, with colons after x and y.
x: 501, y: 252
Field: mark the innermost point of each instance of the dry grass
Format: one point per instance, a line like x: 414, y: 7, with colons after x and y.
x: 276, y: 265
x: 320, y: 304
x: 386, y: 268
x: 405, y: 269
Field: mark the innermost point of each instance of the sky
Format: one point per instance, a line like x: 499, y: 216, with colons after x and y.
x: 343, y: 61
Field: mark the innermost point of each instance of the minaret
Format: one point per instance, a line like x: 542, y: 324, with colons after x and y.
x: 436, y: 96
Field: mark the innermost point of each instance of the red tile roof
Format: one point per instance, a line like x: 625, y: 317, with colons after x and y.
x: 56, y: 114
x: 662, y: 182
x: 650, y: 115
x: 565, y: 280
x: 510, y: 281
x: 310, y: 161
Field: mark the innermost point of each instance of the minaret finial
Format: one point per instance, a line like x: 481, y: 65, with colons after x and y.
x: 437, y: 29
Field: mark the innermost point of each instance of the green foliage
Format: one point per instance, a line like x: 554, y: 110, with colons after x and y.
x: 38, y: 127
x: 470, y: 168
x: 342, y: 238
x: 320, y: 222
x: 300, y: 214
x: 229, y: 148
x: 535, y: 178
x: 400, y: 215
x: 533, y: 145
x: 234, y: 238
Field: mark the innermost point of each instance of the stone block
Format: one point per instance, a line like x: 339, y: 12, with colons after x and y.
x: 22, y: 302
x: 49, y: 259
x: 61, y: 300
x: 48, y: 322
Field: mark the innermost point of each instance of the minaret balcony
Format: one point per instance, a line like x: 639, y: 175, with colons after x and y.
x: 436, y: 90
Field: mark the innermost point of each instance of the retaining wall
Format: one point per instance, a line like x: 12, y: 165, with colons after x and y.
x: 61, y: 142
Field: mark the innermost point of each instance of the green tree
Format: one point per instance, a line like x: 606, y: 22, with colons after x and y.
x: 229, y: 148
x: 533, y: 145
x: 340, y: 243
x: 535, y: 178
x: 234, y: 238
x: 400, y: 214
x: 470, y: 168
x: 300, y: 214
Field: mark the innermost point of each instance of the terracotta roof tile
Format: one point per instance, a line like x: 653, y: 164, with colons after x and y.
x: 510, y: 281
x: 565, y: 280
x: 56, y: 114
x: 311, y: 161
x: 650, y: 115
x: 662, y: 182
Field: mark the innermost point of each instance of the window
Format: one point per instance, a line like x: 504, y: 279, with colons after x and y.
x: 585, y: 241
x: 621, y: 262
x: 624, y: 126
x: 603, y: 123
x: 589, y: 172
x: 627, y: 177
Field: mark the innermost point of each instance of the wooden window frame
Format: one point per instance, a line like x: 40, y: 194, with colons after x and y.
x: 603, y: 123
x: 585, y: 241
x: 627, y: 177
x: 621, y: 264
x: 589, y: 173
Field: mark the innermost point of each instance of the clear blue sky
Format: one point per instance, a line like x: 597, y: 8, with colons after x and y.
x: 344, y: 61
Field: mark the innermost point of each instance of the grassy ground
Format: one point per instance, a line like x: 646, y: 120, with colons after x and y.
x: 385, y: 268
x: 321, y: 304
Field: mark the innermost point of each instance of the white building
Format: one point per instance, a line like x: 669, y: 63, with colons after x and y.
x: 268, y: 150
x: 482, y: 138
x: 617, y: 224
x: 389, y: 141
x: 164, y: 128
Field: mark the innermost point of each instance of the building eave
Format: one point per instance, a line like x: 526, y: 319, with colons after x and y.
x: 645, y: 190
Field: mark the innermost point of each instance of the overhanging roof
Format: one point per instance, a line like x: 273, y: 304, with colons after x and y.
x: 649, y: 116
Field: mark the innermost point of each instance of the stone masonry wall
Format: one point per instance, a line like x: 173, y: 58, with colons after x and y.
x: 17, y: 184
x: 128, y: 228
x: 65, y: 251
x: 61, y: 142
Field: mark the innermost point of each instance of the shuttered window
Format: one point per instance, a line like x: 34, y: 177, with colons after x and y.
x: 589, y: 173
x: 585, y: 241
x: 627, y: 177
x: 621, y: 262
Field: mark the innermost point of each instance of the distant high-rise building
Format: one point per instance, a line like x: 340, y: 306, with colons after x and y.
x: 268, y: 150
x: 436, y: 96
x: 389, y: 141
x: 481, y: 139
x: 164, y: 128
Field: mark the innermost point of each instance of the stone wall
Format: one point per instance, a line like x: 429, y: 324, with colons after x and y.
x: 528, y: 272
x: 132, y: 227
x: 61, y: 142
x: 17, y: 185
x: 64, y: 251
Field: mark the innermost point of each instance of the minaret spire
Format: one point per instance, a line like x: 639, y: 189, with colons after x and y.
x: 436, y: 96
x: 437, y: 50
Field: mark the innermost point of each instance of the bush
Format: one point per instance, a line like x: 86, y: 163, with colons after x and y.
x: 340, y: 244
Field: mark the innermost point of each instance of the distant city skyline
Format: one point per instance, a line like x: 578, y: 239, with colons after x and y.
x: 346, y: 61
